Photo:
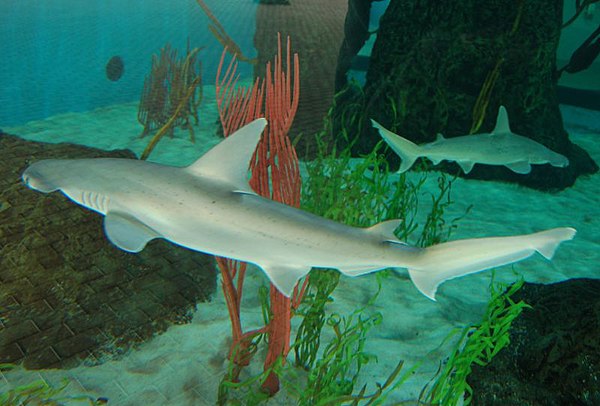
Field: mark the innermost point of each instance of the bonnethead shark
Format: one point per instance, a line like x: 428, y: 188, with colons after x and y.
x: 500, y: 147
x: 210, y: 207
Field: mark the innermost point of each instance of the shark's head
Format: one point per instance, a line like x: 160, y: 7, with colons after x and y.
x: 39, y: 176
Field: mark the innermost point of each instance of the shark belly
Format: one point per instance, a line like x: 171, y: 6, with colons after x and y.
x: 285, y: 242
x: 257, y: 230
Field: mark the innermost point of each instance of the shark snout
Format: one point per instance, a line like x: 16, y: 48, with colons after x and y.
x: 35, y: 178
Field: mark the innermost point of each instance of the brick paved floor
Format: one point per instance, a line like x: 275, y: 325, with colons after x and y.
x: 66, y: 294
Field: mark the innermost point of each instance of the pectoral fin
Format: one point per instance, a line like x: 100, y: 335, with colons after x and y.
x: 127, y: 232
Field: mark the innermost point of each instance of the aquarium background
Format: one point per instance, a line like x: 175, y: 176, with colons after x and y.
x: 55, y: 52
x: 54, y: 89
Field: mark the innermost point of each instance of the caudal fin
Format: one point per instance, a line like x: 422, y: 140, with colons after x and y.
x: 406, y: 150
x: 454, y: 259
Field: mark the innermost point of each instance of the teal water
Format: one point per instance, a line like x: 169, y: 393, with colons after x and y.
x: 56, y: 54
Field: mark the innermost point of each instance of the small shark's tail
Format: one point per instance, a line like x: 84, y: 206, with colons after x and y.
x: 406, y: 150
x: 442, y: 262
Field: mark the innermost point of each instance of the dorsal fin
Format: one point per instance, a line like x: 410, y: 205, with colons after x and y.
x: 229, y: 160
x: 502, y: 126
x: 439, y: 137
x: 386, y: 229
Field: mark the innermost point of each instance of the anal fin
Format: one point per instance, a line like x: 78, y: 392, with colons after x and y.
x: 521, y: 167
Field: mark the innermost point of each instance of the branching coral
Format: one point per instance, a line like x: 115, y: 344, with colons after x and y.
x: 275, y: 174
x: 171, y: 95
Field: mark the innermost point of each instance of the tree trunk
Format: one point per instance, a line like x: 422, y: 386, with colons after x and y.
x: 356, y: 30
x: 429, y: 65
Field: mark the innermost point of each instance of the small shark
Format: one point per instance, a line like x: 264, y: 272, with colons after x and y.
x: 209, y: 207
x: 500, y: 147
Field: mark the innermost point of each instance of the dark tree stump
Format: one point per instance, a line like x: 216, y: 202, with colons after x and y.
x: 429, y: 64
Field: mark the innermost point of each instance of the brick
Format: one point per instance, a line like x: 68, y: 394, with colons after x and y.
x: 149, y: 281
x: 45, y: 320
x: 74, y: 345
x: 43, y: 339
x: 163, y: 291
x: 103, y: 284
x: 135, y: 317
x: 89, y: 274
x: 121, y: 306
x: 19, y: 331
x: 45, y: 358
x: 48, y: 257
x: 153, y: 309
x: 89, y: 321
x: 11, y: 354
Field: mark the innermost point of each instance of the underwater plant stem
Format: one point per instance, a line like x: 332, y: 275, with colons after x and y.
x: 218, y: 31
x: 278, y: 331
x: 159, y: 134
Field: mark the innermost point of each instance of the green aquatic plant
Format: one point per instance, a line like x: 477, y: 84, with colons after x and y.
x: 332, y: 377
x: 41, y: 392
x: 312, y: 311
x: 359, y: 193
x: 336, y: 372
x: 477, y: 344
x: 362, y: 192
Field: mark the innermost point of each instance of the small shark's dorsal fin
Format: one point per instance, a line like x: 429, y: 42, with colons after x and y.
x: 229, y: 160
x: 386, y: 229
x: 502, y: 126
x: 127, y: 232
x: 439, y: 137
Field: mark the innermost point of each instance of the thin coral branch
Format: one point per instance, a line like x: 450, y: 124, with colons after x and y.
x: 168, y: 125
x: 218, y: 31
x: 275, y: 174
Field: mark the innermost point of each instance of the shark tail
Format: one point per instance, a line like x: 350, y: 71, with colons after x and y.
x: 462, y: 257
x: 405, y: 149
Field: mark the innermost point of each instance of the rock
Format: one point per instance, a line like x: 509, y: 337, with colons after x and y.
x: 554, y: 354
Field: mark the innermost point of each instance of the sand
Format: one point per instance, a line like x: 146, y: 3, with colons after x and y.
x: 184, y: 365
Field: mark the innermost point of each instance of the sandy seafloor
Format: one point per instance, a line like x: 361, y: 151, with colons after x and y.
x: 184, y: 365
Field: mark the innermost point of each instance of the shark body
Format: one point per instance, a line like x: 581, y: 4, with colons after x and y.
x: 209, y: 207
x: 500, y: 147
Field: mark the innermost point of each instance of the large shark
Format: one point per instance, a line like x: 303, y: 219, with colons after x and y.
x: 500, y: 147
x: 209, y: 207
